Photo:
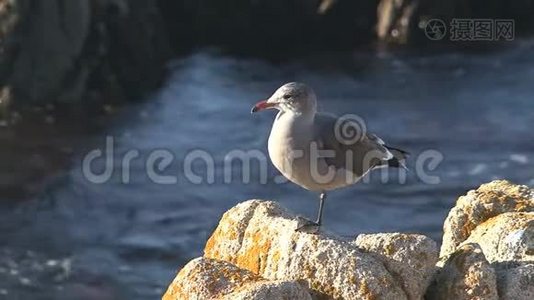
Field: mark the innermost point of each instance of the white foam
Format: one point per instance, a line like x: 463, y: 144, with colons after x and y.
x: 504, y: 164
x: 477, y: 169
x: 519, y: 158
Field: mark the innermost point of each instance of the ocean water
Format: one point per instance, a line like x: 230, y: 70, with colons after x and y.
x: 125, y: 239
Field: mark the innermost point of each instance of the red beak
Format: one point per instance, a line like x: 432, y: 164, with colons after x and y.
x: 261, y: 106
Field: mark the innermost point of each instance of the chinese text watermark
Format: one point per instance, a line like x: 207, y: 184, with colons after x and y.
x: 470, y: 30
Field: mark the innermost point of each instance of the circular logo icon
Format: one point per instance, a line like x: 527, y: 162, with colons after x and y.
x: 435, y: 29
x: 350, y: 129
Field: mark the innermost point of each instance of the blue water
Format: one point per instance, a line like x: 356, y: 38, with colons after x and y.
x: 78, y: 239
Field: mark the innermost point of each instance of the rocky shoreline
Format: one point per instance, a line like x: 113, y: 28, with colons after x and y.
x: 487, y: 252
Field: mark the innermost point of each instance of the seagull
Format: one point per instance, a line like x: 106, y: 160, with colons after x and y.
x: 319, y: 151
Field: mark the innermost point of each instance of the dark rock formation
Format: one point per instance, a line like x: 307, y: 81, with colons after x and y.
x: 60, y: 50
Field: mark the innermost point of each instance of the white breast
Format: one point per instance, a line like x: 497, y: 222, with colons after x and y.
x: 289, y: 150
x: 282, y: 144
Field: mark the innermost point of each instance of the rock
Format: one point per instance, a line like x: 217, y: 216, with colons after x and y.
x: 302, y: 24
x: 50, y: 44
x: 507, y: 242
x: 134, y: 41
x: 466, y: 274
x: 498, y: 218
x: 270, y: 290
x: 487, y: 254
x: 516, y: 283
x: 404, y: 21
x: 58, y: 50
x: 260, y: 236
x: 410, y: 257
x: 205, y: 278
x: 11, y: 12
x: 394, y: 20
x: 506, y: 237
x: 473, y: 209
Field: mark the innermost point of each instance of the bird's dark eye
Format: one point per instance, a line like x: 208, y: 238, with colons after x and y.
x: 286, y: 96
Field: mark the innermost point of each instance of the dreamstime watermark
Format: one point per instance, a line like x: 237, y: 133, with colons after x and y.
x: 344, y: 154
x: 470, y: 30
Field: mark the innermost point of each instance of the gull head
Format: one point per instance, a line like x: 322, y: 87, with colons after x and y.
x: 293, y: 97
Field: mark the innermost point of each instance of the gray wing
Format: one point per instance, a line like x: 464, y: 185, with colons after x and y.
x: 356, y: 155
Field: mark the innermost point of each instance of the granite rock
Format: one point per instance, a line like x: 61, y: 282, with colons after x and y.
x: 410, y: 257
x: 479, y: 205
x: 204, y: 278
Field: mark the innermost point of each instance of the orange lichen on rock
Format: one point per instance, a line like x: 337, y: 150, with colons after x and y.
x: 269, y: 246
x: 366, y: 292
x: 389, y: 248
x: 230, y: 232
x: 204, y: 278
x: 253, y: 256
x: 207, y: 277
x: 256, y: 254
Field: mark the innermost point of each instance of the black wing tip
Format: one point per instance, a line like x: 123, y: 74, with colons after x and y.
x: 404, y: 153
x: 395, y: 163
x: 399, y: 159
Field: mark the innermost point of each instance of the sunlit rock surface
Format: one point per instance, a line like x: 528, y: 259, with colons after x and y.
x: 506, y: 237
x: 493, y: 225
x: 465, y: 275
x: 256, y: 253
x: 204, y: 278
x: 479, y: 205
x: 260, y: 236
x: 409, y: 257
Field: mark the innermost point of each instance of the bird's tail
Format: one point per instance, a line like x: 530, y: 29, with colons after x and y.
x: 399, y: 158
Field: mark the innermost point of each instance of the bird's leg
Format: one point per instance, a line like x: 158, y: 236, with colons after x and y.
x: 322, y: 197
x: 310, y: 225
